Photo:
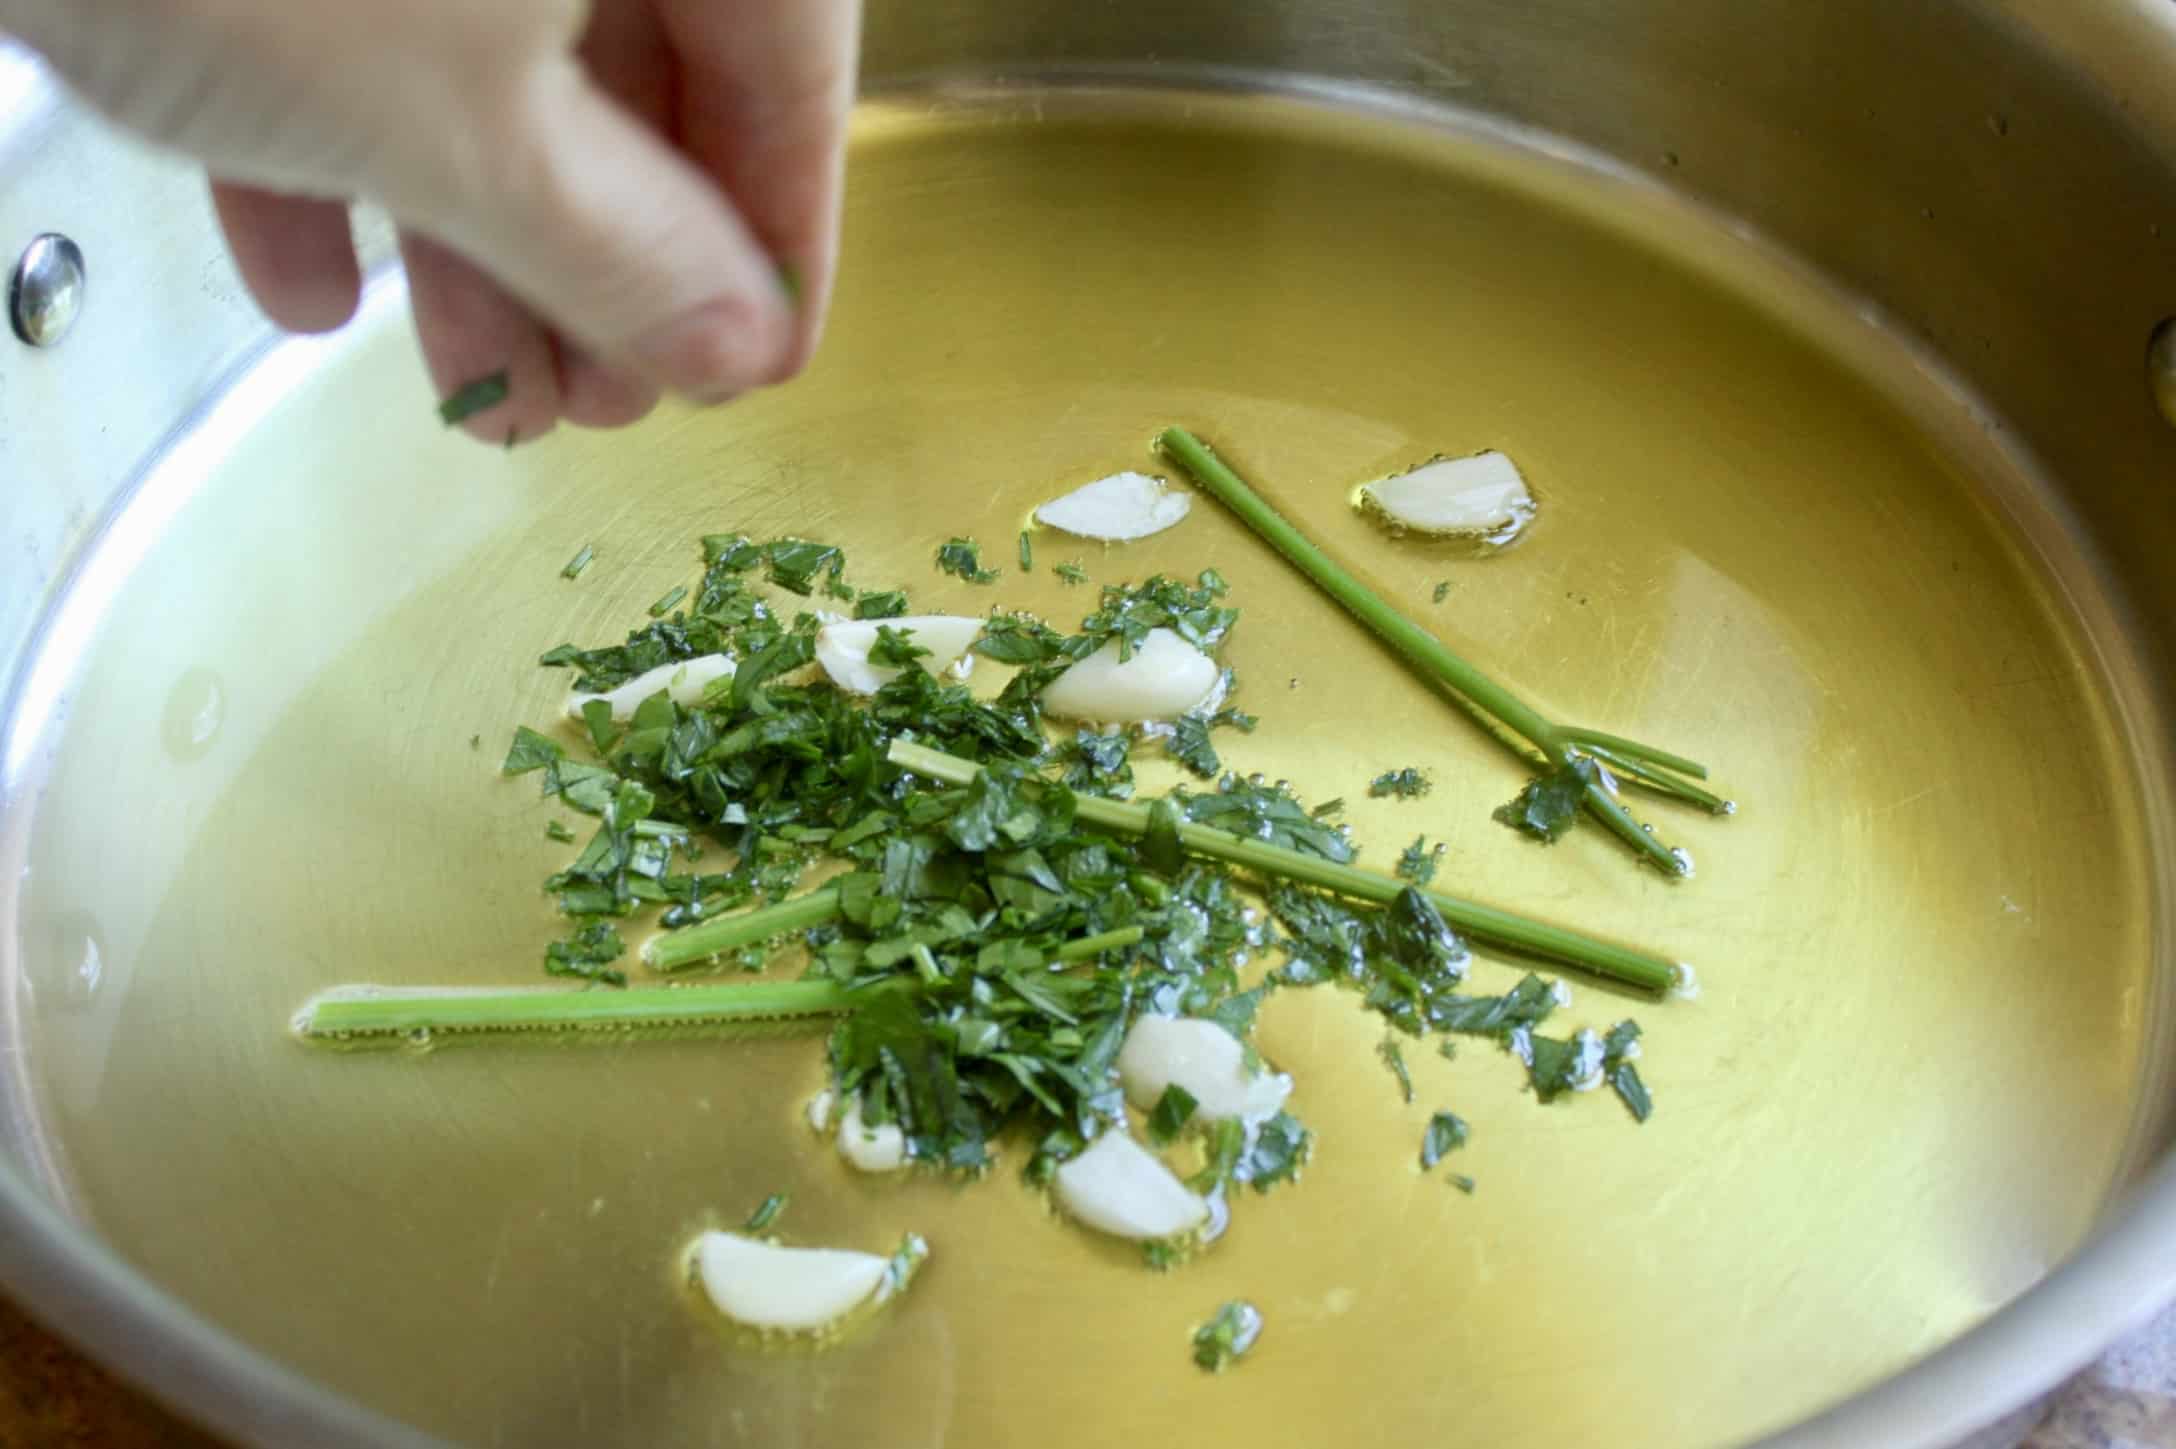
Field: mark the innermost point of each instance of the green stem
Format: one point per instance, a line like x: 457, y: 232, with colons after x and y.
x: 1084, y: 947
x: 677, y: 950
x: 1617, y: 744
x: 1635, y: 772
x: 361, y: 1015
x: 1402, y: 634
x: 1422, y: 649
x: 1623, y: 963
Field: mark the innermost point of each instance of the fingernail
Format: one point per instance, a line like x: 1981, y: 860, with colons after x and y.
x: 713, y: 352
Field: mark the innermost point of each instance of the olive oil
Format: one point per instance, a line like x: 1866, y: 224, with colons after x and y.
x: 1908, y: 1084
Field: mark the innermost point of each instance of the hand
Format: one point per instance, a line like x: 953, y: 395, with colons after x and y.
x: 604, y: 200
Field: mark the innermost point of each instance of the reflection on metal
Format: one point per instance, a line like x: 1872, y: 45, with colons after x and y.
x: 2161, y: 368
x: 45, y: 294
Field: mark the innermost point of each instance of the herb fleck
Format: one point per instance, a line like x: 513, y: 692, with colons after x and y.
x: 1406, y: 784
x: 478, y: 395
x: 1227, y: 1337
x: 1394, y: 1058
x: 1446, y: 1134
x: 962, y: 558
x: 1071, y: 573
x: 1027, y: 553
x: 1443, y: 591
x: 1417, y: 863
x: 768, y: 1213
x: 1173, y: 1110
x: 665, y: 604
x: 580, y: 561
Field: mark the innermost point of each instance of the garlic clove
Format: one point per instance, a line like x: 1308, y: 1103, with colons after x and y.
x: 683, y: 682
x: 870, y: 1148
x: 1116, y: 509
x: 1481, y: 496
x: 842, y: 648
x: 1164, y: 678
x: 797, y: 1290
x: 1205, y: 1059
x: 1119, y: 1187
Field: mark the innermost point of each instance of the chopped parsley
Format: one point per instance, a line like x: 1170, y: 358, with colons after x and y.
x: 588, y: 954
x: 1446, y: 1133
x: 767, y: 1213
x: 665, y: 604
x: 580, y: 561
x: 1173, y: 1111
x: 553, y: 830
x: 1394, y: 1058
x: 1406, y: 784
x: 1226, y: 1337
x: 887, y: 604
x: 1189, y: 745
x: 1027, y: 553
x: 962, y: 558
x: 477, y: 395
x: 1417, y: 863
x: 1443, y: 591
x: 1071, y: 573
x: 1549, y: 804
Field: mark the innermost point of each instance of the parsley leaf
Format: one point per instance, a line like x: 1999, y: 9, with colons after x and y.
x: 889, y: 604
x: 477, y: 395
x: 1173, y: 1110
x: 588, y: 954
x: 1226, y: 1337
x: 1280, y: 1149
x: 1405, y: 784
x: 1071, y: 573
x: 1417, y: 863
x: 1189, y: 745
x: 1446, y: 1134
x: 530, y: 751
x: 962, y: 558
x: 1394, y: 1058
x: 1549, y: 804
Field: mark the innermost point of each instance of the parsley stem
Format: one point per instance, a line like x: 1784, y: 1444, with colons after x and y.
x: 1618, y: 745
x: 677, y: 950
x: 1422, y: 649
x: 1623, y: 963
x: 1636, y: 772
x: 359, y: 1015
x: 1084, y: 947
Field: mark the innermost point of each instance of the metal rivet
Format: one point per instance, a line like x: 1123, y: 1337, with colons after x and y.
x: 46, y: 291
x: 2161, y: 368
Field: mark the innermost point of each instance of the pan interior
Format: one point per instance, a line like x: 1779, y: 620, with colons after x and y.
x: 266, y: 758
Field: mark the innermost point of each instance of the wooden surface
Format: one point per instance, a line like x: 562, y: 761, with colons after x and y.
x: 51, y: 1395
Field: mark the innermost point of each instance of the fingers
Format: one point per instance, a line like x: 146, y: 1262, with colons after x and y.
x: 295, y: 253
x: 590, y: 218
x: 765, y: 87
x: 593, y: 394
x: 471, y: 328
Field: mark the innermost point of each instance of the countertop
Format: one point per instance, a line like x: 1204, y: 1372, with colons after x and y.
x: 52, y: 1396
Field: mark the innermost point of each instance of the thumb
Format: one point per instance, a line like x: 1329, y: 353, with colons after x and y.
x: 586, y: 214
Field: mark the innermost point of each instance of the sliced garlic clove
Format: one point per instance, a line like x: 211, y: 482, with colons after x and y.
x: 683, y: 682
x: 1116, y: 509
x: 843, y: 648
x: 1164, y: 678
x: 870, y: 1148
x: 819, y: 1111
x: 1119, y: 1187
x: 1206, y: 1060
x: 796, y: 1290
x: 1481, y: 496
